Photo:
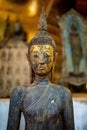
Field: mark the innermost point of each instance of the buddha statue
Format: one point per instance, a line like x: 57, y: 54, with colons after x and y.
x: 45, y: 106
x: 75, y: 42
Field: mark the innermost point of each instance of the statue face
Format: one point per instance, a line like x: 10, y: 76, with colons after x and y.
x: 41, y: 58
x: 74, y: 26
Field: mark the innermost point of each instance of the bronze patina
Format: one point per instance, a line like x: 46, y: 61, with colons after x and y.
x: 45, y: 106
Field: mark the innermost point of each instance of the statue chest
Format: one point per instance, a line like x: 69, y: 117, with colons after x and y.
x: 42, y: 105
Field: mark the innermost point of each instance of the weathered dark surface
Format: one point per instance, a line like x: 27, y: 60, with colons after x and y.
x: 45, y: 107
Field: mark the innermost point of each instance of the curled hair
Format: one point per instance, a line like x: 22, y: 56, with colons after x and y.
x: 42, y: 38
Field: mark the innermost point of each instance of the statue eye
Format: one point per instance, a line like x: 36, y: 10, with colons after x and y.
x: 35, y: 55
x: 46, y: 55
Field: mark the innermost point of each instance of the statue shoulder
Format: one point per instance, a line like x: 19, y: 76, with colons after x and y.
x: 66, y: 93
x: 17, y: 91
x: 17, y: 94
x: 62, y: 90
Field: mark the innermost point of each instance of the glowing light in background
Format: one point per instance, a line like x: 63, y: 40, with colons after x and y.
x: 32, y: 8
x: 0, y: 3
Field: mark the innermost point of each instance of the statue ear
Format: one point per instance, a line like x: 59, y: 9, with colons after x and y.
x: 55, y: 57
x: 27, y: 57
x: 55, y: 60
x: 56, y: 54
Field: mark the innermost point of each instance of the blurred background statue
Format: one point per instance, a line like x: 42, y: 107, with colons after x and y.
x: 76, y: 46
x: 7, y: 31
x: 73, y: 35
x: 19, y: 32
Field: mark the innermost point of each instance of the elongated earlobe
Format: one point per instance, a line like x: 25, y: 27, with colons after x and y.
x: 56, y: 56
x: 27, y: 57
x: 52, y: 71
x: 32, y: 75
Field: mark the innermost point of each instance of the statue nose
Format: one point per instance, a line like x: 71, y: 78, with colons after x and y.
x: 41, y: 61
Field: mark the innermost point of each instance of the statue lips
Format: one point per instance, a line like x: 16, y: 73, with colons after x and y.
x: 41, y: 68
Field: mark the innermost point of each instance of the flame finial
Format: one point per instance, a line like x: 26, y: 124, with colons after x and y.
x: 42, y: 21
x: 42, y: 36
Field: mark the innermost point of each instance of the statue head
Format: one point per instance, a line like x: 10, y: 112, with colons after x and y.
x: 74, y: 27
x: 42, y: 49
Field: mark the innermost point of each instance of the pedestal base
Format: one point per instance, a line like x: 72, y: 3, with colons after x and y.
x: 76, y: 82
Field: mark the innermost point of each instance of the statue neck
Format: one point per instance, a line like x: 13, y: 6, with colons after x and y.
x: 41, y: 80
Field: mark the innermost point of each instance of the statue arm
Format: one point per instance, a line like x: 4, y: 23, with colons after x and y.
x: 68, y: 117
x: 14, y: 110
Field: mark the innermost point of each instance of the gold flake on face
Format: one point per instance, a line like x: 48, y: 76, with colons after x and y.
x: 37, y: 48
x: 41, y: 57
x: 42, y: 52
